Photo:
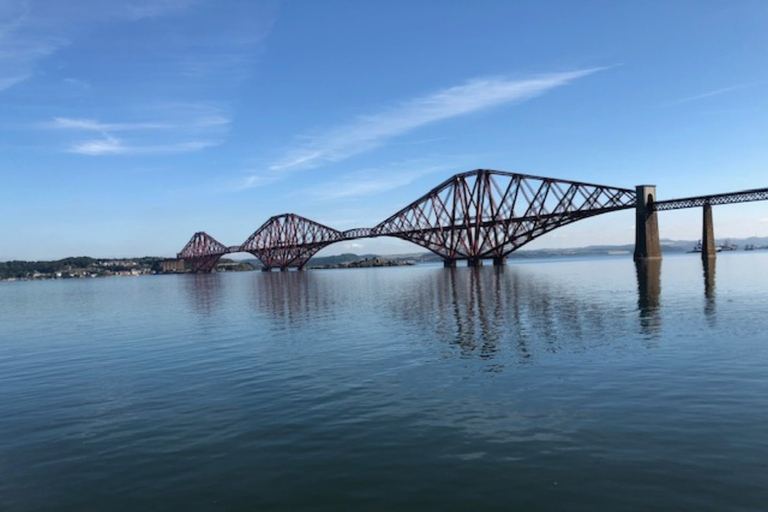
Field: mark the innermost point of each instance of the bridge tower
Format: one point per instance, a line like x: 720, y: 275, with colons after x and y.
x: 647, y: 242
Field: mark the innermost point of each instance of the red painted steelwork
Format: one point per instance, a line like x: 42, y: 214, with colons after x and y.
x: 471, y: 216
x: 202, y: 252
x: 352, y: 234
x: 289, y: 240
x: 489, y: 214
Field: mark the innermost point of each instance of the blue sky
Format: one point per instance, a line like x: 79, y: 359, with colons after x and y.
x: 127, y: 126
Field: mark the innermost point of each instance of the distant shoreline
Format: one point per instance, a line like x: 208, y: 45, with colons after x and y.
x: 87, y: 267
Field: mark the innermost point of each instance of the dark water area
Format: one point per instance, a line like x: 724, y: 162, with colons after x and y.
x: 545, y: 385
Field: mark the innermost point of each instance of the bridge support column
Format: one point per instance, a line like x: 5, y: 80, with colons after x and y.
x: 499, y: 261
x: 449, y: 263
x: 647, y: 243
x: 474, y: 262
x: 266, y: 269
x: 707, y: 234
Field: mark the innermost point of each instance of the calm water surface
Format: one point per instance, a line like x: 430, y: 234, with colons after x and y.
x: 549, y: 385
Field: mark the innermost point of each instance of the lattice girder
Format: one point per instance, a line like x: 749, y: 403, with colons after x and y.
x: 202, y: 252
x: 355, y: 233
x: 289, y: 240
x: 484, y: 213
x: 202, y: 244
x: 757, y: 194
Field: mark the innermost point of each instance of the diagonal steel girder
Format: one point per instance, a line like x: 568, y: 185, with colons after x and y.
x: 289, y: 240
x: 202, y: 252
x: 486, y: 213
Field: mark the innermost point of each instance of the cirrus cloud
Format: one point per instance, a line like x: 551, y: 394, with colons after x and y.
x: 370, y: 131
x: 177, y: 128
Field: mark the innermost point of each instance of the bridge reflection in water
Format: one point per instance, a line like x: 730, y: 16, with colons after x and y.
x: 492, y: 313
x: 479, y: 311
x: 293, y: 299
x: 649, y: 295
x: 649, y: 292
x: 484, y: 311
x: 205, y: 293
x: 709, y: 287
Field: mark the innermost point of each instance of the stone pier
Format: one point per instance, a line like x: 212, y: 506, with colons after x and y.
x: 707, y: 234
x: 647, y: 243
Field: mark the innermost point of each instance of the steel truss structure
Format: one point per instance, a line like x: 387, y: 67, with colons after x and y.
x: 757, y: 194
x: 490, y: 214
x: 202, y: 252
x: 471, y: 216
x: 289, y: 240
x: 352, y: 234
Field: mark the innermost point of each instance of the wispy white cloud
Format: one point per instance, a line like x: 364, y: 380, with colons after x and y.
x: 370, y: 131
x: 177, y: 132
x: 92, y: 125
x: 7, y: 82
x: 108, y: 145
x: 257, y: 180
x: 166, y: 88
x: 716, y: 92
x: 141, y: 9
x: 76, y: 83
x: 211, y: 122
x: 32, y: 31
x: 21, y: 46
x: 112, y: 146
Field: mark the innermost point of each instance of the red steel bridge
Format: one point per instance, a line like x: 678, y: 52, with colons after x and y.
x: 476, y: 215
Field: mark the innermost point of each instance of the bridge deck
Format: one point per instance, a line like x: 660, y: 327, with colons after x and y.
x: 477, y: 214
x: 745, y: 196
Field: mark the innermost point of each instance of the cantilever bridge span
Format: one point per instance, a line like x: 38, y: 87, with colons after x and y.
x: 472, y: 216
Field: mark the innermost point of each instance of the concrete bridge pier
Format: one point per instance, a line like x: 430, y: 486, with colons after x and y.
x: 707, y: 234
x: 449, y: 263
x: 647, y: 242
x: 499, y: 261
